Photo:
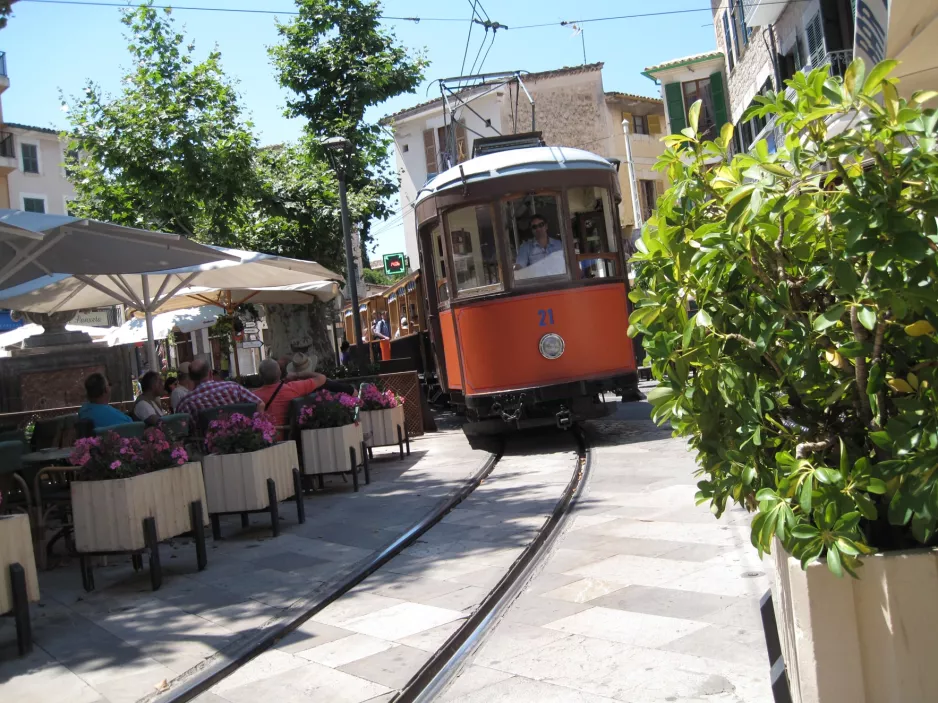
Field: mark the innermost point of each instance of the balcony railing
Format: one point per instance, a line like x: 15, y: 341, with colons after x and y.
x: 7, y: 148
x: 838, y: 61
x: 3, y: 63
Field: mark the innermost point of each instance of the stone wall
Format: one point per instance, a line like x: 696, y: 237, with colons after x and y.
x: 569, y: 110
x: 756, y: 65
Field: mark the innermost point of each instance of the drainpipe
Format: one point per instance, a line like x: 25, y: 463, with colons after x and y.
x: 633, y: 183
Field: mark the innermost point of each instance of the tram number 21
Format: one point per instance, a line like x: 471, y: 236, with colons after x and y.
x: 547, y: 317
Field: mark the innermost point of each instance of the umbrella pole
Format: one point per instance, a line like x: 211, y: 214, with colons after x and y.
x: 230, y: 309
x: 148, y: 313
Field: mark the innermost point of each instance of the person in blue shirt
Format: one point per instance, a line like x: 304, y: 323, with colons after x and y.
x: 540, y: 247
x: 97, y: 409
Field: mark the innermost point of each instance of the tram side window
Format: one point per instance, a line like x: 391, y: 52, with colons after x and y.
x: 533, y: 227
x: 475, y: 254
x: 439, y: 264
x: 593, y: 231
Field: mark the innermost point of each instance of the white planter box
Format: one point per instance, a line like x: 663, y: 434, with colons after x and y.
x: 325, y: 451
x: 237, y: 483
x: 16, y: 547
x: 380, y: 426
x: 870, y: 640
x: 109, y: 514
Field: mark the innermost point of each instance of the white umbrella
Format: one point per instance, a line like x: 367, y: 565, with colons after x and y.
x: 35, y: 244
x: 185, y: 320
x: 251, y: 275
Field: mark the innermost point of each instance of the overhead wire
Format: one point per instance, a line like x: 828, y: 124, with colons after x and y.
x: 487, y: 22
x: 465, y: 53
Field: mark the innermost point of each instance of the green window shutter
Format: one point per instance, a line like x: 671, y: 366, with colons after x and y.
x: 675, y: 98
x: 719, y: 101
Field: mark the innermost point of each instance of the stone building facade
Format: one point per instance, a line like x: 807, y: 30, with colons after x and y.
x: 571, y: 108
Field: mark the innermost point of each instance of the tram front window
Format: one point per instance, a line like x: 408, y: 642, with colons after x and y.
x: 532, y: 225
x: 593, y: 231
x: 475, y: 254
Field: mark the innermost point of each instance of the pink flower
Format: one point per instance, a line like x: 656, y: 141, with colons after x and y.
x: 116, y: 464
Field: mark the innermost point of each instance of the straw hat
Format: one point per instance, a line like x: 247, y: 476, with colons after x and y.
x: 184, y: 368
x: 302, y: 363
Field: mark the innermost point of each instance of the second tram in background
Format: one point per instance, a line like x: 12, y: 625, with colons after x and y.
x: 525, y: 285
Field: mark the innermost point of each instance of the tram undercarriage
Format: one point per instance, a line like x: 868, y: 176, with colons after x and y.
x: 560, y: 405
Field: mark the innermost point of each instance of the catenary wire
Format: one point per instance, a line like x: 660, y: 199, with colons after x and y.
x: 559, y: 23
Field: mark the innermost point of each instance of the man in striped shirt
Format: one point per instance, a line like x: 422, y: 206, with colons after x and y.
x: 208, y: 393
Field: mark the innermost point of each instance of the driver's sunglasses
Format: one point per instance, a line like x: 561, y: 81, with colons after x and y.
x: 539, y: 225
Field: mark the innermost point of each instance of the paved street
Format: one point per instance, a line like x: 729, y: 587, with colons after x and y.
x: 374, y: 639
x: 120, y: 642
x: 646, y: 598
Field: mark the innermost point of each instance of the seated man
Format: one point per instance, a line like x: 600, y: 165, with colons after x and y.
x: 147, y: 407
x: 540, y: 247
x: 277, y: 393
x: 97, y: 409
x: 207, y: 393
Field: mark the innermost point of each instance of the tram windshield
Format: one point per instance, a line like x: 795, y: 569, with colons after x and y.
x: 474, y: 250
x: 536, y: 238
x: 593, y: 231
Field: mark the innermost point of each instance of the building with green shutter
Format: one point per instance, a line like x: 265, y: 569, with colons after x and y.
x: 686, y: 80
x: 762, y: 43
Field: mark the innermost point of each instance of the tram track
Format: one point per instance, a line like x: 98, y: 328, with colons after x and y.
x: 444, y: 663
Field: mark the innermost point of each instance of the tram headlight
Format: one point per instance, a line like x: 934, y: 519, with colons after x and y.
x: 551, y: 346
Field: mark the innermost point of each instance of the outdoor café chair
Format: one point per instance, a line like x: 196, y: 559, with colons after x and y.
x: 47, y: 433
x: 129, y: 430
x: 176, y: 426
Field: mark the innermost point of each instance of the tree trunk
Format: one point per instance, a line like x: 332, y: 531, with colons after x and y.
x: 288, y: 325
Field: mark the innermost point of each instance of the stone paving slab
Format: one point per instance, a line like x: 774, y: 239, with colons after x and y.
x: 664, y: 596
x: 121, y: 641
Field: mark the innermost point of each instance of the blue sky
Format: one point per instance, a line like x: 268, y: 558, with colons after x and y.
x: 52, y: 48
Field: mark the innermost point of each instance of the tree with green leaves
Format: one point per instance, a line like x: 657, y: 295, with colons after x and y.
x: 807, y: 380
x: 171, y: 151
x: 6, y: 11
x: 338, y: 61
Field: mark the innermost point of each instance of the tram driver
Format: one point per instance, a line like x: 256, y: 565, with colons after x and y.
x: 540, y: 248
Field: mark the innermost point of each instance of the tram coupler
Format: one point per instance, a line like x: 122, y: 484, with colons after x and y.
x: 563, y: 419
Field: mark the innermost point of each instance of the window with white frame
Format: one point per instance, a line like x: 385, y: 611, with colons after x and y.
x: 30, y: 154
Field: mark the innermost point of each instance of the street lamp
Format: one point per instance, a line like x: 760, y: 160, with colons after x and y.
x: 338, y: 149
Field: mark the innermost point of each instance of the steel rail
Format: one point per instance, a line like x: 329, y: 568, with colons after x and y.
x: 189, y: 686
x: 447, y: 661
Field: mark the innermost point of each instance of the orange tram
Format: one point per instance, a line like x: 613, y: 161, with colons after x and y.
x: 521, y: 301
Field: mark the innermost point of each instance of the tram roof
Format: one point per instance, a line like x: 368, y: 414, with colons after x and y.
x: 512, y: 162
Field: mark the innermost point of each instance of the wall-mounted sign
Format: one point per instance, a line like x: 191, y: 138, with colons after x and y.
x: 92, y: 318
x: 394, y: 264
x: 870, y: 33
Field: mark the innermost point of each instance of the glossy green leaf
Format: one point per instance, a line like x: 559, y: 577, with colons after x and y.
x: 867, y: 317
x: 829, y: 317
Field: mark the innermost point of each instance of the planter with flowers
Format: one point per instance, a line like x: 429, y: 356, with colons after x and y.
x: 18, y: 582
x: 807, y: 381
x: 246, y: 471
x: 331, y: 436
x: 382, y: 418
x: 128, y: 494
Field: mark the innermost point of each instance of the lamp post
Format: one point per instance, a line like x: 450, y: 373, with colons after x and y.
x: 338, y: 150
x: 633, y: 182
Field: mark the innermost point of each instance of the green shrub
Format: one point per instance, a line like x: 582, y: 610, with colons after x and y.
x: 807, y: 380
